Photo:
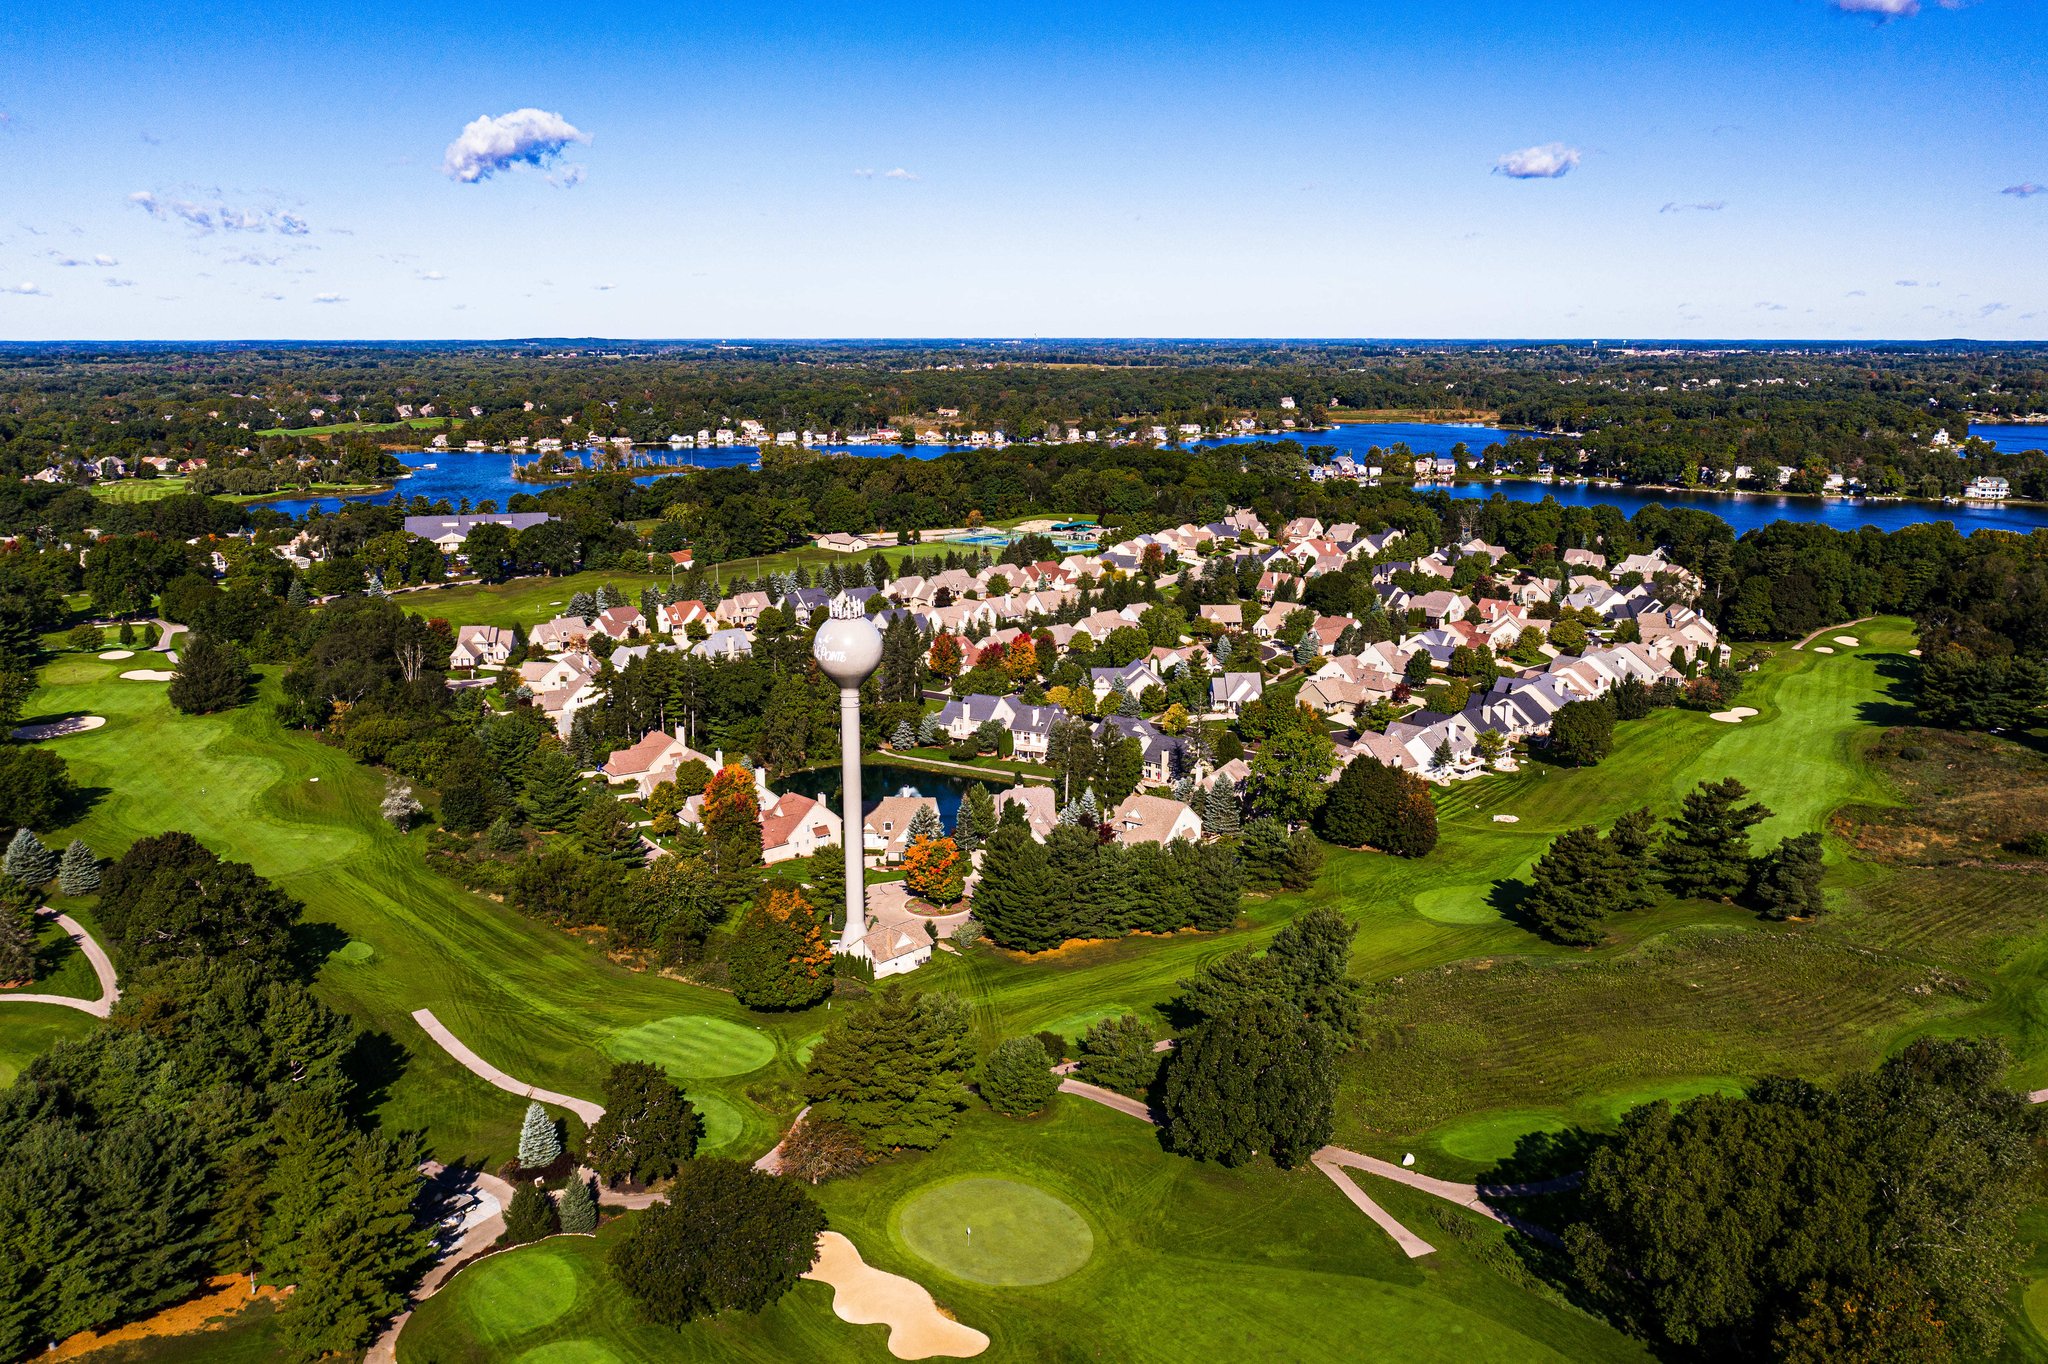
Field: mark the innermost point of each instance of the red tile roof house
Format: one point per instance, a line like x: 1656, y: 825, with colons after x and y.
x: 621, y: 622
x: 676, y: 616
x: 796, y: 826
x: 650, y: 762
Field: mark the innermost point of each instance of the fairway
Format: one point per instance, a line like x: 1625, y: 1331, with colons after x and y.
x: 995, y: 1231
x: 693, y: 1047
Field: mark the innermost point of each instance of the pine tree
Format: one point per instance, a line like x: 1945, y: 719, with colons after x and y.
x: 376, y: 585
x: 584, y: 607
x: 17, y: 950
x: 1705, y: 851
x: 605, y: 833
x: 905, y: 737
x: 294, y: 596
x: 1576, y: 884
x: 1220, y: 808
x: 976, y: 819
x: 530, y: 1216
x: 828, y: 885
x: 79, y: 872
x: 930, y: 731
x: 1013, y: 900
x: 212, y: 676
x: 1017, y: 1078
x: 554, y: 794
x: 28, y: 863
x: 893, y: 1072
x: 578, y: 1208
x: 540, y: 1139
x: 1787, y: 880
x: 925, y: 822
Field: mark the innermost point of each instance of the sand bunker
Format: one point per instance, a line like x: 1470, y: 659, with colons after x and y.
x: 1848, y: 641
x: 866, y: 1296
x: 1734, y: 716
x: 116, y: 655
x: 1912, y: 653
x: 1507, y: 819
x: 148, y: 675
x: 57, y: 729
x: 1822, y: 649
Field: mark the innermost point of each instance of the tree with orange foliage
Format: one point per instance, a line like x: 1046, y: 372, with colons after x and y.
x: 946, y: 657
x: 935, y: 869
x: 1021, y: 660
x: 780, y: 958
x: 732, y: 820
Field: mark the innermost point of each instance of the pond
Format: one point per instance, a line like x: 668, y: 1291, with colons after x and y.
x: 891, y: 779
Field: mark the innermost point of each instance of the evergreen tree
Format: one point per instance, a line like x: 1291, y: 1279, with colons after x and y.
x: 925, y: 822
x: 1264, y: 850
x: 893, y: 1071
x: 1577, y: 883
x: 779, y: 959
x: 584, y: 607
x: 531, y: 1215
x: 578, y: 1208
x: 540, y: 1139
x: 1705, y: 850
x: 1013, y: 900
x: 1117, y: 1053
x: 28, y: 863
x: 1221, y: 813
x: 929, y: 731
x: 1215, y: 880
x: 1017, y: 1077
x: 606, y: 834
x: 827, y: 885
x: 294, y: 597
x: 554, y: 793
x: 1787, y: 879
x: 905, y: 737
x: 79, y: 871
x: 17, y: 949
x: 976, y: 819
x: 1376, y: 805
x: 212, y: 676
x: 1582, y: 733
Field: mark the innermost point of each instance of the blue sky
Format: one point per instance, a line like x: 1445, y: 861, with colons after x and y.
x: 1747, y: 168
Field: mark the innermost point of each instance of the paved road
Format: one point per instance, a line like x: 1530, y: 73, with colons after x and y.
x: 450, y: 1043
x: 102, y: 966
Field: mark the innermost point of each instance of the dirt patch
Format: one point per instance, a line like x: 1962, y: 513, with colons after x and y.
x: 225, y: 1299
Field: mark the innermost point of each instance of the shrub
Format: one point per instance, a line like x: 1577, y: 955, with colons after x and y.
x: 531, y: 1215
x: 1017, y: 1077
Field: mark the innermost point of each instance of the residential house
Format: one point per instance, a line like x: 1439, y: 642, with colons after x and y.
x: 1040, y: 806
x: 796, y: 826
x: 479, y: 645
x: 728, y: 644
x: 448, y: 532
x: 1232, y: 692
x: 1153, y: 819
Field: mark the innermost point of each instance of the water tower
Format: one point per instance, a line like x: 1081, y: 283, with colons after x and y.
x: 849, y: 649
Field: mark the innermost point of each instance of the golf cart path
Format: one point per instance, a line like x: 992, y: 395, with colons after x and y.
x: 170, y: 632
x: 102, y: 966
x: 476, y: 1065
x: 1331, y: 1160
x: 489, y: 1195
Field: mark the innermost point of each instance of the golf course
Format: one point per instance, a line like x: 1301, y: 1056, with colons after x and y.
x: 1072, y: 1232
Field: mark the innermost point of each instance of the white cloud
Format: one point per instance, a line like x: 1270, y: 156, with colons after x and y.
x: 899, y: 174
x: 25, y: 288
x: 206, y: 216
x: 524, y: 137
x: 1546, y: 162
x: 606, y: 288
x: 1703, y: 206
x: 2025, y: 190
x: 115, y: 282
x: 103, y: 260
x: 432, y: 275
x: 1887, y: 9
x: 1988, y: 309
x: 273, y: 298
x: 866, y: 172
x: 329, y: 298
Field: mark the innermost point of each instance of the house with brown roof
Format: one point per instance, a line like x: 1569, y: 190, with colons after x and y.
x: 479, y: 645
x: 885, y: 830
x: 796, y: 826
x: 1153, y: 819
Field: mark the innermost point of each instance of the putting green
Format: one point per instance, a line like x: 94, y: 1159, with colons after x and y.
x: 1456, y: 905
x: 994, y: 1231
x: 518, y: 1291
x: 693, y: 1046
x: 569, y: 1352
x: 1492, y: 1137
x: 724, y: 1124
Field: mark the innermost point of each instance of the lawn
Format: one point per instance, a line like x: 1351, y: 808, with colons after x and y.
x: 1181, y: 1259
x: 153, y: 489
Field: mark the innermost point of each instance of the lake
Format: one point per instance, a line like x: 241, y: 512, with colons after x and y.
x: 889, y: 779
x: 437, y: 474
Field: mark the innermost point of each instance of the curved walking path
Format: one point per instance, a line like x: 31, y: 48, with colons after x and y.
x: 102, y: 966
x: 169, y: 632
x: 1826, y: 629
x: 476, y: 1065
x: 1332, y: 1160
x: 481, y: 1201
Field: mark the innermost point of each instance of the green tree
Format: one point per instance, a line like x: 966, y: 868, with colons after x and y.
x: 554, y: 790
x: 1017, y: 1077
x: 779, y: 957
x: 169, y: 898
x: 29, y: 864
x: 1582, y: 733
x: 976, y: 819
x: 531, y: 1215
x: 212, y: 676
x: 578, y: 1207
x: 1286, y: 781
x: 540, y: 1138
x: 1787, y: 879
x: 605, y: 833
x: 79, y: 871
x: 17, y: 946
x: 1581, y: 880
x: 648, y: 1129
x: 1117, y: 1053
x: 1258, y: 1078
x: 1222, y: 809
x: 732, y: 1240
x: 1705, y: 850
x: 893, y: 1071
x: 1373, y: 804
x: 1015, y: 899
